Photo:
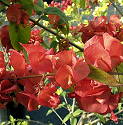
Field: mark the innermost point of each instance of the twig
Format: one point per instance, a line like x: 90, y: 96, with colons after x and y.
x: 73, y: 105
x: 54, y: 33
x: 58, y: 116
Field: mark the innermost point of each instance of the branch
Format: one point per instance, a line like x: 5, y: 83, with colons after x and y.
x: 27, y: 77
x: 49, y: 30
x: 54, y: 33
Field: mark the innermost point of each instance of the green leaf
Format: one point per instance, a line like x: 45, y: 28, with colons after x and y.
x: 49, y: 112
x: 13, y: 33
x: 64, y: 29
x: 73, y: 121
x: 6, y: 1
x: 11, y: 118
x: 27, y: 117
x: 27, y: 5
x: 67, y: 117
x: 102, y: 76
x: 82, y: 4
x: 101, y: 117
x: 24, y: 123
x: 77, y: 112
x: 24, y: 33
x: 120, y: 70
x: 41, y: 3
x: 44, y: 17
x: 58, y: 12
x: 19, y: 33
x: 120, y: 77
x: 54, y: 44
x: 63, y: 22
x: 38, y: 9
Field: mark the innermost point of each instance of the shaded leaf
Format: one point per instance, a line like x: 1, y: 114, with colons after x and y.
x: 102, y: 76
x: 58, y: 12
x: 38, y: 9
x: 24, y: 33
x: 120, y: 77
x: 14, y: 36
x: 54, y: 44
x: 41, y: 3
x: 27, y: 5
x: 82, y: 4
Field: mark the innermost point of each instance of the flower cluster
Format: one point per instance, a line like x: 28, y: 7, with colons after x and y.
x: 32, y: 75
x: 64, y: 66
x: 63, y: 69
x: 100, y: 25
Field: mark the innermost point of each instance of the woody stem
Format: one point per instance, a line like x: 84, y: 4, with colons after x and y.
x: 30, y: 76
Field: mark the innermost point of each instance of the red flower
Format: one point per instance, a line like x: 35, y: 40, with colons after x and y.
x: 17, y: 61
x: 100, y: 25
x: 39, y: 58
x: 6, y: 88
x: 47, y: 96
x: 104, y: 52
x: 28, y: 100
x: 69, y: 69
x: 16, y: 14
x: 95, y: 97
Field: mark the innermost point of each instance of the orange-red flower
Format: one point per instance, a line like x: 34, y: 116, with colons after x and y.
x: 48, y: 97
x: 96, y: 97
x: 104, y: 52
x: 69, y: 69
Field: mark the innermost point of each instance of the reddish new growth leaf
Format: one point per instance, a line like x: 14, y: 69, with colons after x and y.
x: 47, y: 96
x: 16, y: 14
x: 104, y: 52
x: 54, y: 20
x: 96, y: 97
x: 4, y: 36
